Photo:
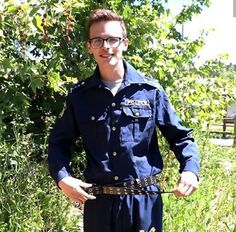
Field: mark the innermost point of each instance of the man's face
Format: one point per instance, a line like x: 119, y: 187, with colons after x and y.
x: 106, y: 54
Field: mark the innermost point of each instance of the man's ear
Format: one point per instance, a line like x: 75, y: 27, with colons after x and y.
x: 88, y: 46
x: 125, y: 44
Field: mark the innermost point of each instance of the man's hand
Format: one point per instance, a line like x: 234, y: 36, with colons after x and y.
x: 187, y: 184
x: 75, y: 189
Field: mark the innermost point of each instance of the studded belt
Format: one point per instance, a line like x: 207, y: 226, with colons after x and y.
x: 133, y: 187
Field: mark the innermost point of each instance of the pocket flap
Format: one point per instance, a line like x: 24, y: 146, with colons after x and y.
x: 137, y: 112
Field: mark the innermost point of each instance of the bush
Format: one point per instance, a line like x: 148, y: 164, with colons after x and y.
x: 29, y: 199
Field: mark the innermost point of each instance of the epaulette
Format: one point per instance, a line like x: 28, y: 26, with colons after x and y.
x: 149, y: 80
x: 153, y: 82
x: 79, y: 85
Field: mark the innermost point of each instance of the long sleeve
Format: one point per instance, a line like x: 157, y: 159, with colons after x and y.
x: 179, y: 137
x: 60, y: 140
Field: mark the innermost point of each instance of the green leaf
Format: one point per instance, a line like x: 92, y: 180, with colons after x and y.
x: 37, y: 21
x: 6, y: 63
x: 36, y: 82
x: 54, y: 80
x: 33, y: 11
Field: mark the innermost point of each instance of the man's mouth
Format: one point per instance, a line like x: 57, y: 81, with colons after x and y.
x: 106, y: 55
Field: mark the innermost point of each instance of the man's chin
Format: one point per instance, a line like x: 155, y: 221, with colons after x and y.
x: 113, y: 61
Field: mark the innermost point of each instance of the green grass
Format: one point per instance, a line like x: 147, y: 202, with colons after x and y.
x: 213, y: 206
x: 30, y: 201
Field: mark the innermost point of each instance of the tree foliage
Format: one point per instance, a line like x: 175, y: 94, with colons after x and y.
x: 43, y: 54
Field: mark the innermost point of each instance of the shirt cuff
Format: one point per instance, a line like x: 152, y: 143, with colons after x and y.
x: 193, y: 167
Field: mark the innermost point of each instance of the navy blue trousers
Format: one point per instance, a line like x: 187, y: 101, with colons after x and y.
x: 131, y: 213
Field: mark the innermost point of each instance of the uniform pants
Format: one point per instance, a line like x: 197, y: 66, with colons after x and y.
x: 119, y: 213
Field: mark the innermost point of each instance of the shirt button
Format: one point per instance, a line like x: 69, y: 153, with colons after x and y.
x: 114, y: 128
x: 114, y: 153
x: 137, y: 114
x: 93, y: 118
x: 113, y: 104
x: 83, y: 83
x: 116, y: 178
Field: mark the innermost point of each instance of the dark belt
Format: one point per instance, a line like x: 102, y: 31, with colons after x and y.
x: 133, y: 187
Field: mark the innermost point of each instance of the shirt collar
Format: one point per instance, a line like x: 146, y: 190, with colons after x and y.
x: 131, y: 76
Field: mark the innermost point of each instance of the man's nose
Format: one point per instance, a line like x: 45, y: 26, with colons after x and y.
x: 105, y: 44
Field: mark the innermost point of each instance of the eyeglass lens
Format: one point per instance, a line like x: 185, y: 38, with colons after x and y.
x: 111, y: 42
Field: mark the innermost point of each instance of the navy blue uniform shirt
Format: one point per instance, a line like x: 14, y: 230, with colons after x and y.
x: 120, y: 140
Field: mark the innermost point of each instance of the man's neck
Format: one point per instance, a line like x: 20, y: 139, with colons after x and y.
x: 112, y: 73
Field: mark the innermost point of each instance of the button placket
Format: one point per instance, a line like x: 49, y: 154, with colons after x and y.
x: 113, y: 128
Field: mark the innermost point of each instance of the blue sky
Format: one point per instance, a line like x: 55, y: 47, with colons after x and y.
x: 218, y: 16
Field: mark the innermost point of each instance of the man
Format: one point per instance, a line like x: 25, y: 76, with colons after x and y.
x: 116, y: 112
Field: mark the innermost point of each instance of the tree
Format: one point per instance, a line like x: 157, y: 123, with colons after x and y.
x: 43, y: 54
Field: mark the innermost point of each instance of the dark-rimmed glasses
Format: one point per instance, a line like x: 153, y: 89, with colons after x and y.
x: 112, y: 42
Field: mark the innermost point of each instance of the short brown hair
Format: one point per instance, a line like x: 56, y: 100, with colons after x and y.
x: 100, y: 15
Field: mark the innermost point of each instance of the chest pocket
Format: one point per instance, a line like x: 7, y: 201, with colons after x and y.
x: 136, y: 123
x: 93, y: 128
